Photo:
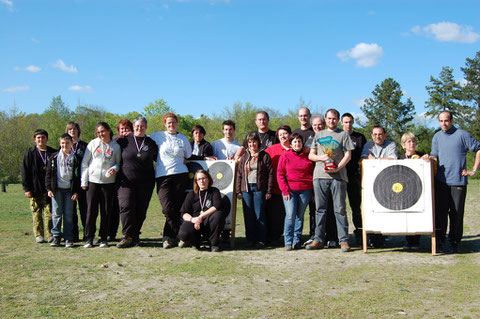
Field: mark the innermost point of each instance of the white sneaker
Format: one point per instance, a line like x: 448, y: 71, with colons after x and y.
x: 68, y: 244
x: 167, y: 243
x: 308, y: 242
x: 88, y: 244
x: 103, y: 244
x: 39, y: 239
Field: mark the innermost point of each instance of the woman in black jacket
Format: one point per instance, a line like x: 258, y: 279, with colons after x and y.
x: 201, y: 212
x: 201, y: 149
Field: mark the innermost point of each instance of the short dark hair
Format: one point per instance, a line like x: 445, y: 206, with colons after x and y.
x: 449, y: 113
x: 40, y: 132
x: 348, y: 115
x: 285, y: 128
x: 264, y: 113
x: 294, y: 136
x: 253, y: 136
x: 199, y: 128
x: 334, y: 111
x: 71, y: 125
x: 66, y: 136
x: 228, y: 123
x: 379, y: 126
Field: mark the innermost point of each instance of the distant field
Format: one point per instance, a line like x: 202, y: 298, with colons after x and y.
x: 39, y: 281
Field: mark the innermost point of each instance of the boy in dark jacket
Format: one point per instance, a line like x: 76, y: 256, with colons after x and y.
x: 33, y: 180
x: 63, y: 183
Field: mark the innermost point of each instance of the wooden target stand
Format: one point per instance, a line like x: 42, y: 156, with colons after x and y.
x: 395, y: 190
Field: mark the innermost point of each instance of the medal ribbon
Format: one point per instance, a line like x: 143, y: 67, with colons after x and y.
x: 202, y: 204
x: 136, y: 144
x: 44, y: 159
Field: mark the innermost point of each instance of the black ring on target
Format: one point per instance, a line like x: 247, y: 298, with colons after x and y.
x: 222, y: 175
x: 226, y: 205
x: 193, y: 167
x: 397, y: 187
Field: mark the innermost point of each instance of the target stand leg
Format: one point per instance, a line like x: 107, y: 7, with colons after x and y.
x: 364, y: 239
x: 434, y: 244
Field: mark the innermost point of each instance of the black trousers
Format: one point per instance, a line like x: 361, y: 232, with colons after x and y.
x: 211, y: 228
x: 354, y: 192
x: 82, y: 206
x: 99, y: 194
x: 449, y: 204
x: 171, y: 193
x: 275, y: 217
x: 133, y: 201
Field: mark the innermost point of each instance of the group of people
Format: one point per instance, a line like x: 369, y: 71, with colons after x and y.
x: 279, y: 174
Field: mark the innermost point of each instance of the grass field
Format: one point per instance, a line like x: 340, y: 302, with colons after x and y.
x: 39, y: 281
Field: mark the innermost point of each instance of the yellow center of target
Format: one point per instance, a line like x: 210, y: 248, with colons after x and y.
x: 219, y: 175
x: 190, y: 175
x: 397, y: 187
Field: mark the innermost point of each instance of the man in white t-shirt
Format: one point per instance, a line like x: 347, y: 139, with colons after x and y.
x: 226, y: 147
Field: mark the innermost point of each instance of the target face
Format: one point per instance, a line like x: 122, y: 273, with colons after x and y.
x: 222, y: 175
x: 397, y: 187
x: 192, y: 169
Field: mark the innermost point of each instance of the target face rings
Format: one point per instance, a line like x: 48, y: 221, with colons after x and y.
x: 397, y: 187
x: 193, y: 167
x: 222, y: 175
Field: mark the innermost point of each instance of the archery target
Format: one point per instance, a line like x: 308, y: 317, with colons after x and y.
x: 223, y: 175
x: 193, y: 167
x: 397, y: 187
x: 397, y: 196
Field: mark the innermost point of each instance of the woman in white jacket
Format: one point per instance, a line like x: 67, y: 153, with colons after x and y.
x: 99, y: 167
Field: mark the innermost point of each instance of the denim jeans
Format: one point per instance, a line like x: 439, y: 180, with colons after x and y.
x: 62, y: 206
x: 254, y: 214
x: 338, y: 189
x: 295, y: 209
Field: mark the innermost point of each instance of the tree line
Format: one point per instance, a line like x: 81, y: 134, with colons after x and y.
x: 387, y: 106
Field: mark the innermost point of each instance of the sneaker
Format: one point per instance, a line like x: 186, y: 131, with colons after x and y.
x: 345, y: 247
x: 39, y: 239
x: 214, y: 249
x: 167, y: 243
x: 88, y: 243
x: 297, y: 246
x: 332, y: 244
x: 183, y: 244
x: 126, y: 242
x: 55, y: 242
x: 314, y: 245
x: 288, y: 247
x: 68, y: 244
x: 50, y: 239
x: 103, y: 244
x: 308, y: 242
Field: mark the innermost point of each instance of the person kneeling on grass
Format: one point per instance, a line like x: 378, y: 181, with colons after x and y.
x: 202, y: 214
x: 63, y: 183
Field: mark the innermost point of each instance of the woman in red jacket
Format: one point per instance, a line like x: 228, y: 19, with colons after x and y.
x: 295, y: 179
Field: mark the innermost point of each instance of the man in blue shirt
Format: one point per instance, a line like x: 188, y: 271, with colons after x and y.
x: 449, y: 148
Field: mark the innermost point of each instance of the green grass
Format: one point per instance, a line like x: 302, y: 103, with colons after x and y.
x: 39, y: 281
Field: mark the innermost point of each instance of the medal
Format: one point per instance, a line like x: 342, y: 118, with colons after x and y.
x: 44, y: 159
x: 202, y: 204
x: 136, y: 145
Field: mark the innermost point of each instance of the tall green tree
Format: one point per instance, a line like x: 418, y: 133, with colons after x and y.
x: 445, y: 94
x: 472, y: 93
x: 54, y: 119
x: 157, y: 107
x: 387, y: 109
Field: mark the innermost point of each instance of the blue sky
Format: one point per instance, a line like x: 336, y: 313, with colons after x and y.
x: 203, y: 55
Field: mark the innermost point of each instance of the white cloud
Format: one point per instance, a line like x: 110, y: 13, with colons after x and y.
x: 78, y: 88
x: 462, y: 82
x: 16, y: 89
x: 35, y: 40
x: 359, y: 102
x: 30, y: 68
x: 448, y: 32
x: 62, y: 66
x: 371, y: 13
x: 367, y: 55
x: 8, y: 3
